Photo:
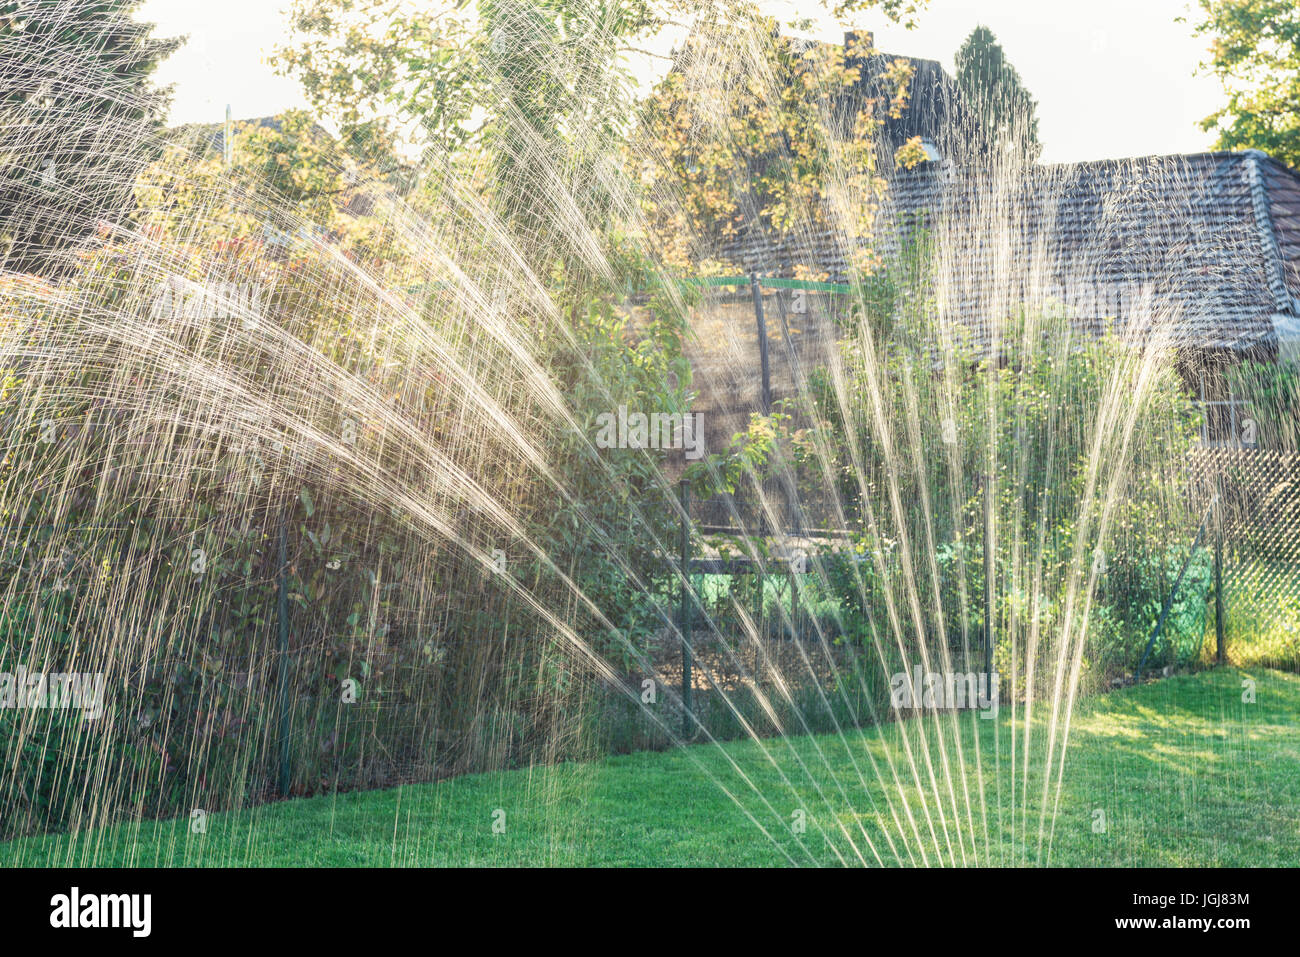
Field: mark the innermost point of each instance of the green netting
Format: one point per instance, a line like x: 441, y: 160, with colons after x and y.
x: 769, y: 282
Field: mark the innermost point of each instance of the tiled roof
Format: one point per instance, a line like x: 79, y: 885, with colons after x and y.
x: 1210, y: 242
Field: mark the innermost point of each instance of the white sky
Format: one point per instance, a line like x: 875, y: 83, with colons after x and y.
x: 1112, y: 77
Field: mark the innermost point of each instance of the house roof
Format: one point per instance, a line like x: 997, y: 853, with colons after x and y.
x: 1210, y: 241
x: 213, y: 135
x: 934, y: 110
x: 934, y: 107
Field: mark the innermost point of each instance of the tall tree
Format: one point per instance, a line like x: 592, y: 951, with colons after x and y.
x: 1006, y: 112
x: 78, y: 121
x: 1255, y: 52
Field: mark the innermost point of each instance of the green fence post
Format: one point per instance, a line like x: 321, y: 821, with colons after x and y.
x: 283, y: 691
x: 1221, y: 641
x: 989, y: 572
x: 765, y: 396
x: 685, y: 489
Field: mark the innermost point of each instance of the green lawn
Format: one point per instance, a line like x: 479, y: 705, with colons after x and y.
x: 1183, y: 770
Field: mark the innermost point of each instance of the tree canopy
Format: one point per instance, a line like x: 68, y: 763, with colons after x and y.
x: 543, y: 95
x: 1255, y: 52
x: 78, y: 121
x: 1007, y: 113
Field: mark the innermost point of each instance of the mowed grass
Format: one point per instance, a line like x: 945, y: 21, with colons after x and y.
x: 1181, y: 772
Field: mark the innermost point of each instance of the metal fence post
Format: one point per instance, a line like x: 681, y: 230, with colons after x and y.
x: 283, y: 691
x: 989, y: 583
x: 685, y: 489
x: 765, y: 396
x: 1221, y: 642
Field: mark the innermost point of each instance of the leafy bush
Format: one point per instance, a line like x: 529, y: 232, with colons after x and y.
x: 927, y: 443
x: 165, y: 450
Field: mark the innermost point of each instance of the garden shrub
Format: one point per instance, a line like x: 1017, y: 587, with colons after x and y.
x: 163, y: 448
x: 913, y: 419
